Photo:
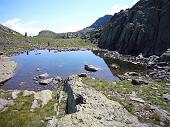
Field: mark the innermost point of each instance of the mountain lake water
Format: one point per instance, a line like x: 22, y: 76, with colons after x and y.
x: 55, y: 63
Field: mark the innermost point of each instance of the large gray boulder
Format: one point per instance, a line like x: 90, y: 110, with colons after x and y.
x: 145, y: 28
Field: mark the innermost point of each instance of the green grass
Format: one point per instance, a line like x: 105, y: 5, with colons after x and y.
x: 16, y: 43
x: 19, y: 115
x: 124, y: 88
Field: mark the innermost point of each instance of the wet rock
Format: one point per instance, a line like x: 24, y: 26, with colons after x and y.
x: 15, y: 94
x: 114, y: 66
x: 91, y: 68
x: 139, y: 82
x: 137, y: 99
x: 83, y: 75
x: 42, y: 76
x: 166, y: 96
x: 45, y: 81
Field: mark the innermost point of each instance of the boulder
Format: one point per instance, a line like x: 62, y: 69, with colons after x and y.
x: 15, y: 94
x: 139, y: 82
x: 45, y: 81
x: 166, y: 96
x: 27, y: 93
x: 42, y: 76
x: 91, y: 68
x: 137, y: 99
x: 4, y: 103
x: 34, y: 105
x: 83, y: 75
x: 45, y: 96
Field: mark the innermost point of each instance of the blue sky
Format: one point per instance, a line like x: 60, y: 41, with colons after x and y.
x: 57, y: 15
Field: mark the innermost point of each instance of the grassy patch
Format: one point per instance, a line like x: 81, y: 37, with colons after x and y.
x: 19, y: 115
x: 11, y: 44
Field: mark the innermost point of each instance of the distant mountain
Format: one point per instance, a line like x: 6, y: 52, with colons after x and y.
x: 7, y: 30
x: 144, y: 28
x: 101, y: 21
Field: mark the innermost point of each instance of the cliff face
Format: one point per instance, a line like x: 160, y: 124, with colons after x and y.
x: 145, y: 28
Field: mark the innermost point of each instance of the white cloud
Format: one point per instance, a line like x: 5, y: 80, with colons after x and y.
x: 22, y: 27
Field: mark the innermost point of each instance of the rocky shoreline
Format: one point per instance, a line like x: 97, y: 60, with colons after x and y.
x: 7, y: 68
x: 158, y: 66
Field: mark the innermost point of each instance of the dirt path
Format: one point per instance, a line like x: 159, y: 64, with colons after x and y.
x: 95, y: 110
x: 7, y: 68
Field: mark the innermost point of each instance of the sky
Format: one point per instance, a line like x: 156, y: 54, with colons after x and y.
x: 32, y: 16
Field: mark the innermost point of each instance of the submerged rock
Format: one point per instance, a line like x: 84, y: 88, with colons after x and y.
x: 91, y: 68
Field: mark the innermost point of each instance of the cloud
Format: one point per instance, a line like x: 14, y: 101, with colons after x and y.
x: 22, y: 27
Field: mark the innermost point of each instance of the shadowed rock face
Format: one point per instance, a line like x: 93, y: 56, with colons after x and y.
x: 145, y: 28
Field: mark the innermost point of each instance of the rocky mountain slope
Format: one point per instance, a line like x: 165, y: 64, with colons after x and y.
x: 101, y: 21
x: 5, y: 29
x: 145, y: 28
x: 91, y: 33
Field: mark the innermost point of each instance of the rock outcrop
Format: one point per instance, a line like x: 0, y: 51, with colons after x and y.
x: 145, y: 28
x: 94, y: 109
x: 7, y: 68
